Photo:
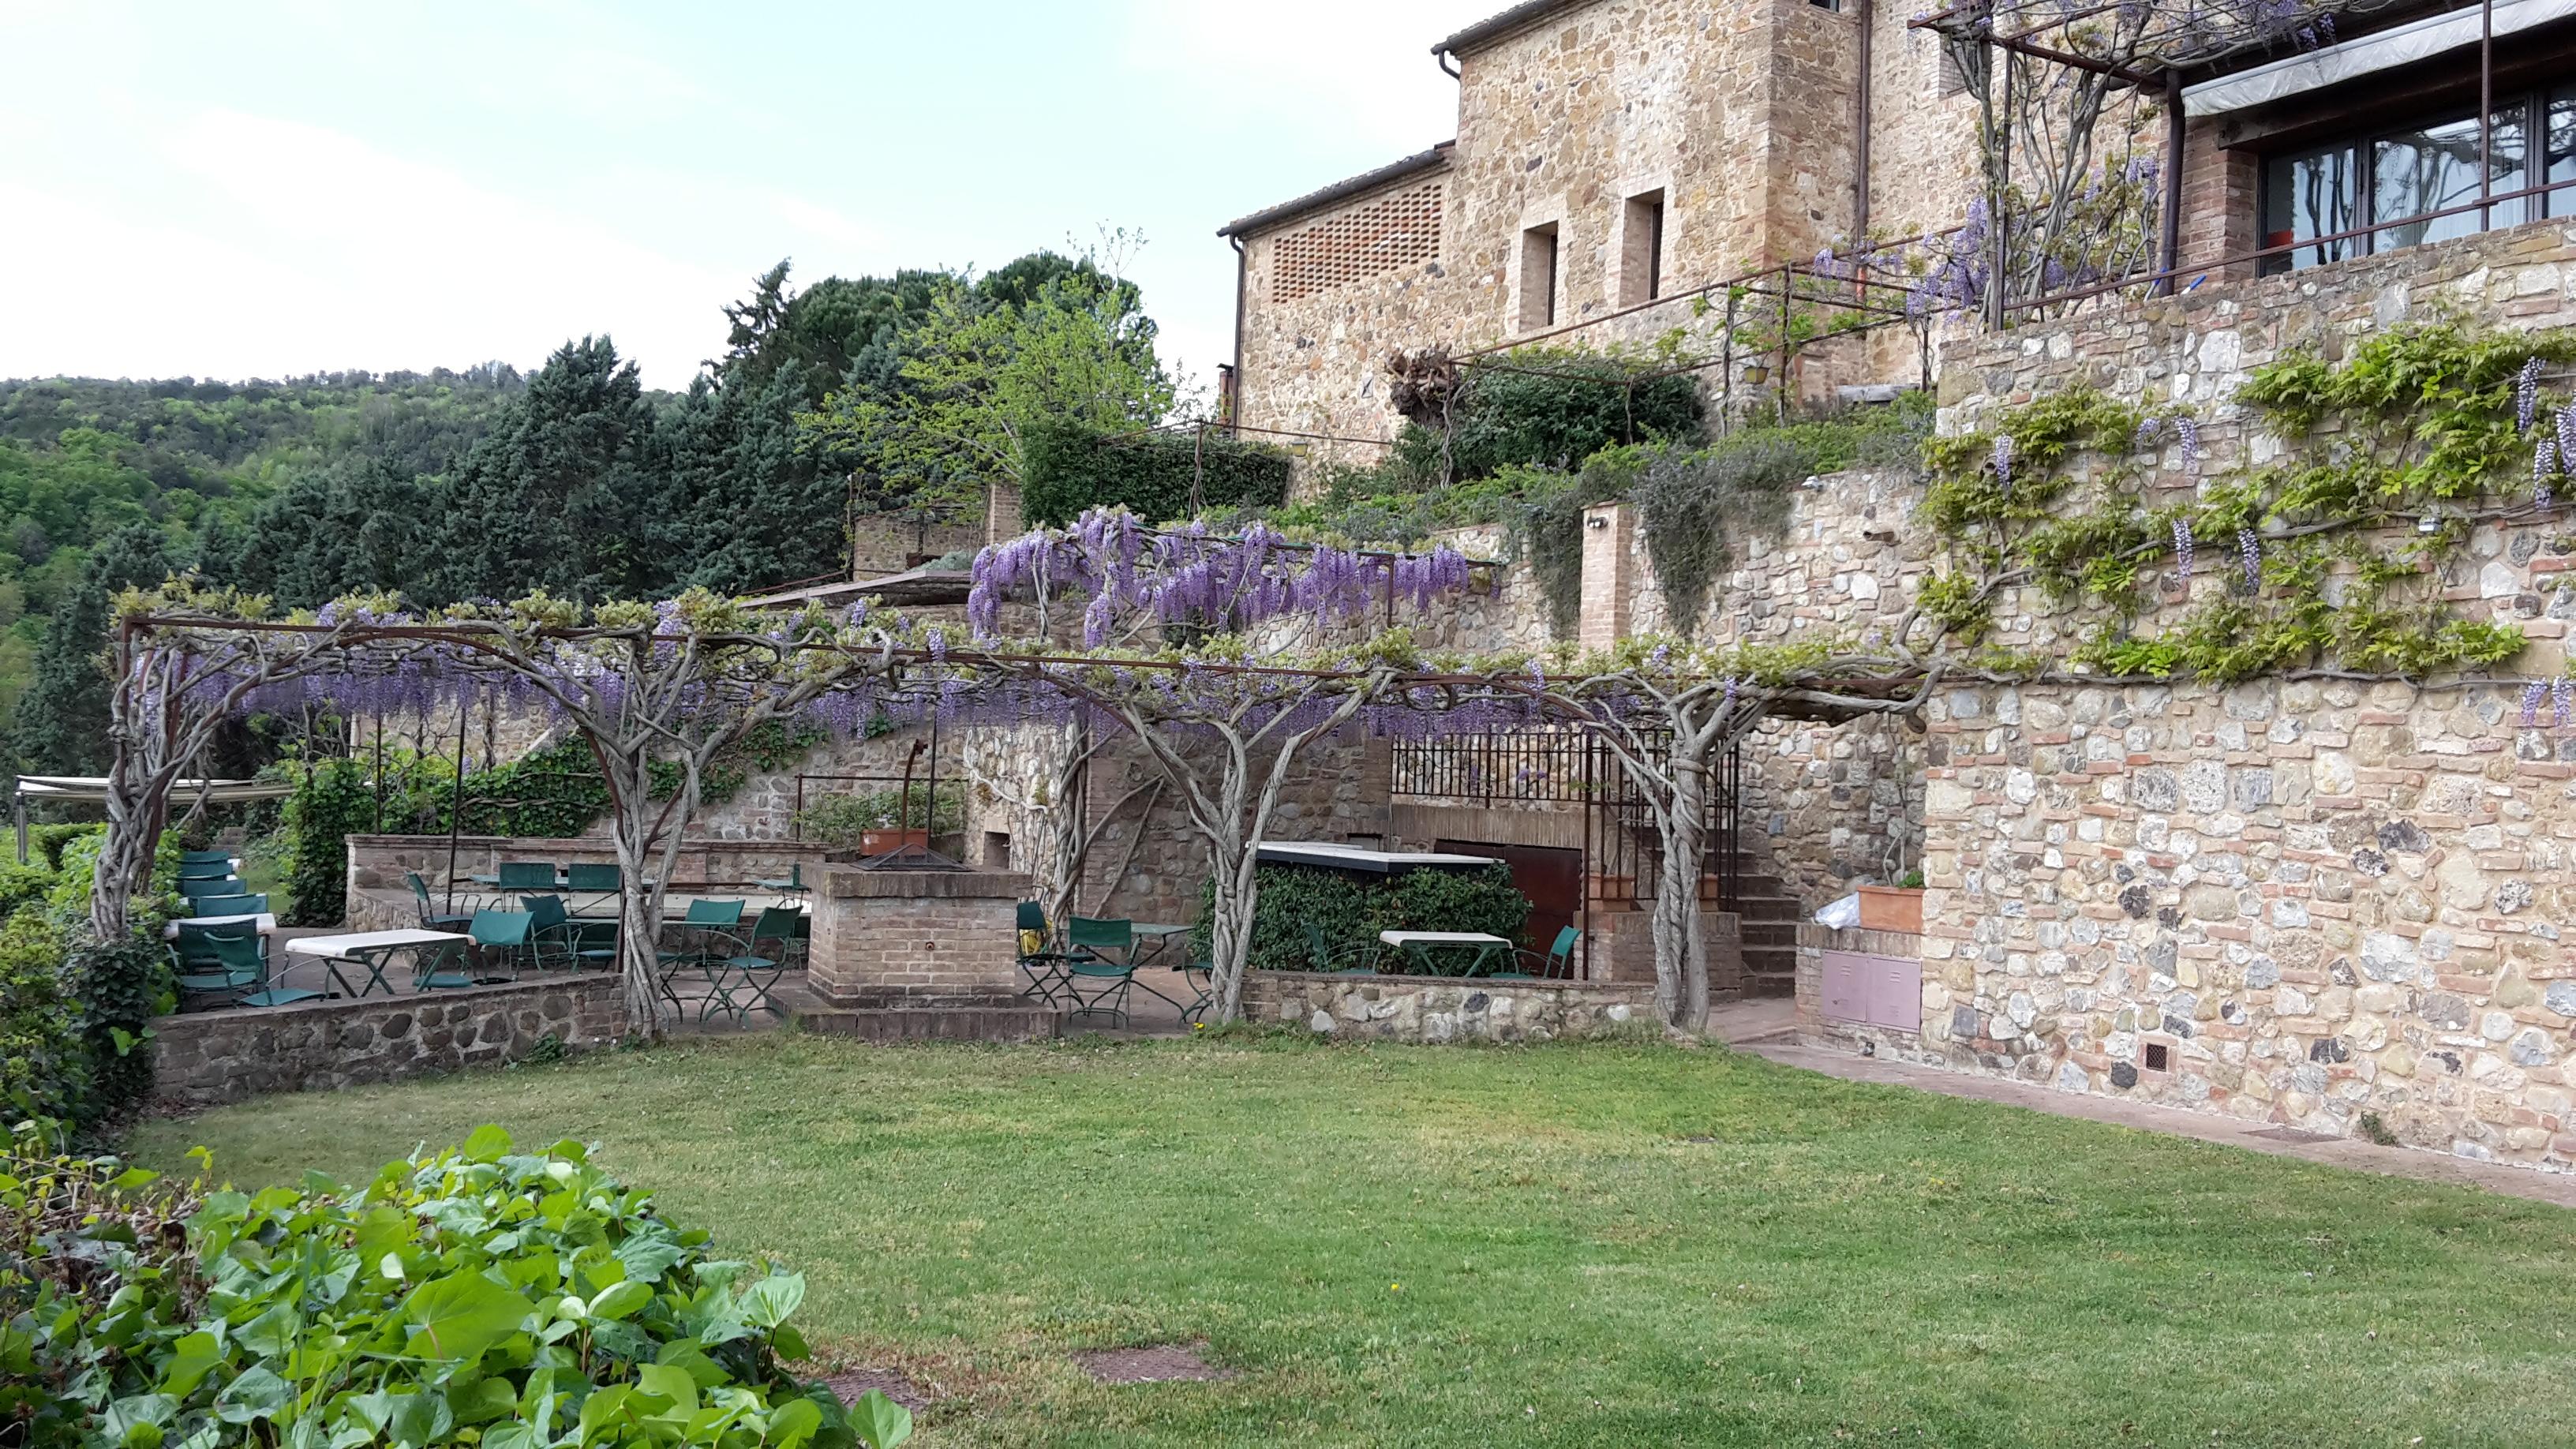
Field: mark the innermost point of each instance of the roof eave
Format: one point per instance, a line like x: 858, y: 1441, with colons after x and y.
x: 1339, y: 191
x: 1485, y: 32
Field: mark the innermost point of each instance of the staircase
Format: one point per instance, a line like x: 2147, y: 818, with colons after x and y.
x: 1770, y: 916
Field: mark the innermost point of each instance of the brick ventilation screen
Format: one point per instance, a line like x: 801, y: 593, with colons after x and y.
x: 1384, y: 236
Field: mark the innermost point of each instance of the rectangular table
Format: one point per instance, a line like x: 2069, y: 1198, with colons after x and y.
x: 1428, y: 947
x: 370, y: 949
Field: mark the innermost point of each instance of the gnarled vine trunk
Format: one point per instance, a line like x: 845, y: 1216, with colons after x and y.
x: 1681, y: 946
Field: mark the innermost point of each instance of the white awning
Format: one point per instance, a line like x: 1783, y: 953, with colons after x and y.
x: 1375, y: 862
x: 2398, y: 45
x: 92, y: 790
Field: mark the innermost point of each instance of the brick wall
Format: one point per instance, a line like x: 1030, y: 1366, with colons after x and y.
x: 916, y: 938
x: 205, y: 1059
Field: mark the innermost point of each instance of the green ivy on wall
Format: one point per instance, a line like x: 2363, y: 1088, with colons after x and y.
x: 1157, y: 476
x: 2332, y: 551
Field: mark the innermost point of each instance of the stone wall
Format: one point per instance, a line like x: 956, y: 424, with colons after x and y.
x: 205, y: 1059
x: 1439, y: 1009
x: 2299, y: 900
x: 908, y: 939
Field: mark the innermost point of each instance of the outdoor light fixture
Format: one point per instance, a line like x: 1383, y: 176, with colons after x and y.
x: 2429, y: 523
x: 1757, y: 373
x: 1596, y: 522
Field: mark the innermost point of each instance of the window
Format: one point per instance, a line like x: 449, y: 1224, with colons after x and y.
x: 1538, y: 278
x: 2388, y: 183
x: 1641, y: 249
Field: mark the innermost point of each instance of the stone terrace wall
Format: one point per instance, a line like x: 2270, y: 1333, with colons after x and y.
x: 1431, y: 1009
x: 205, y: 1059
x: 2319, y: 898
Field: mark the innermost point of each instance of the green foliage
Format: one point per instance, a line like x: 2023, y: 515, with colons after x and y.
x: 1692, y: 503
x: 61, y: 725
x: 479, y: 1296
x: 841, y: 821
x: 1548, y: 407
x: 2416, y: 422
x: 334, y: 800
x: 1350, y: 910
x: 121, y: 986
x: 44, y: 1061
x: 1163, y: 477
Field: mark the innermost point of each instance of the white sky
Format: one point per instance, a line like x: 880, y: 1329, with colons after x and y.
x: 271, y: 187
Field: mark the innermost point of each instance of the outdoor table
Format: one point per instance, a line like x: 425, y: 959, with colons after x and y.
x: 261, y: 924
x: 1427, y: 947
x: 1151, y: 940
x: 370, y: 949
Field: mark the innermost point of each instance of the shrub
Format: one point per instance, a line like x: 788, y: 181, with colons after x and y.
x: 1068, y: 469
x: 1555, y: 407
x: 1351, y: 909
x: 480, y: 1296
x: 841, y: 820
x: 44, y: 1063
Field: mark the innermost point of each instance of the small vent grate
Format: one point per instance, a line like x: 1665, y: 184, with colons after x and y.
x: 1384, y: 236
x: 2159, y: 1057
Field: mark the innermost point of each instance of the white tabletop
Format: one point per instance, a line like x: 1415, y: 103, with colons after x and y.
x: 369, y: 941
x: 263, y: 922
x: 1440, y: 938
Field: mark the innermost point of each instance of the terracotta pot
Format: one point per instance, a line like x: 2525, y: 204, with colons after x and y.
x: 879, y: 842
x: 1891, y: 908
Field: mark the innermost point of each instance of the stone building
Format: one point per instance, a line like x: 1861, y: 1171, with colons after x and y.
x: 1611, y: 157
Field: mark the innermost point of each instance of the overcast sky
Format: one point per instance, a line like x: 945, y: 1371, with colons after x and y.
x: 289, y: 186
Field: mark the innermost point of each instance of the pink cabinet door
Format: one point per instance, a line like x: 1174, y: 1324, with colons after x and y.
x: 1892, y: 993
x: 1842, y: 983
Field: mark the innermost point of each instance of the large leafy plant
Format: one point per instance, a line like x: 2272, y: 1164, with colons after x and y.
x: 479, y: 1296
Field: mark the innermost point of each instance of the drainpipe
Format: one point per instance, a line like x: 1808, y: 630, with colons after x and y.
x: 1242, y: 281
x: 1860, y: 129
x: 2173, y: 185
x: 1442, y: 57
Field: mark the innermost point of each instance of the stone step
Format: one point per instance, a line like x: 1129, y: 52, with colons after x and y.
x: 1030, y: 1022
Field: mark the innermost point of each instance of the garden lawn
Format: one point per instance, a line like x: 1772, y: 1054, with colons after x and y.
x: 1559, y: 1245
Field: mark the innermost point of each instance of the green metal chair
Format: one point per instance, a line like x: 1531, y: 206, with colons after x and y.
x: 1321, y: 957
x: 1557, y: 964
x: 215, y: 869
x: 502, y: 939
x: 245, y: 953
x: 526, y: 875
x: 1098, y: 985
x: 232, y: 905
x: 223, y: 858
x: 773, y: 938
x: 197, y: 888
x: 599, y: 882
x: 554, y: 937
x: 1201, y: 977
x: 793, y: 885
x: 1044, y: 967
x: 714, y: 924
x: 431, y: 918
x: 442, y: 967
x: 208, y: 963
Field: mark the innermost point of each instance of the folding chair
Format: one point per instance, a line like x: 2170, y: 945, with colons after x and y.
x: 1202, y: 976
x: 441, y: 967
x: 244, y: 953
x: 203, y: 960
x: 554, y: 937
x: 504, y: 937
x: 223, y: 858
x: 1320, y: 956
x: 1557, y: 963
x: 758, y: 968
x: 1044, y: 968
x: 232, y: 905
x: 599, y: 882
x: 714, y: 922
x: 431, y: 918
x: 197, y: 888
x: 526, y: 875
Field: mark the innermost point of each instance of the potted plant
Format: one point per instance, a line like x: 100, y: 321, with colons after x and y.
x: 1894, y: 908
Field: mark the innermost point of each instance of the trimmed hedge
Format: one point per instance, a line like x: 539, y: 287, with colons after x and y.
x: 1067, y: 469
x: 1351, y: 909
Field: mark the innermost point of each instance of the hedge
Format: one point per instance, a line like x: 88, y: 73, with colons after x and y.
x: 1067, y: 469
x: 1351, y: 909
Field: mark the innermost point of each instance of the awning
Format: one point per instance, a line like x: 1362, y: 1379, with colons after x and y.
x: 92, y: 790
x: 1372, y: 862
x: 2398, y: 45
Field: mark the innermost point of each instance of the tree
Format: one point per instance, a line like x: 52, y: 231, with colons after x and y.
x: 761, y: 509
x: 62, y: 721
x: 359, y: 526
x: 1225, y: 734
x: 1058, y: 342
x: 561, y: 496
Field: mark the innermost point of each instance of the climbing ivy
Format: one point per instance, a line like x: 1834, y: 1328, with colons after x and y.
x: 2332, y: 549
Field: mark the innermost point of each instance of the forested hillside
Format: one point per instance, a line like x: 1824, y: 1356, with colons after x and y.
x: 889, y: 394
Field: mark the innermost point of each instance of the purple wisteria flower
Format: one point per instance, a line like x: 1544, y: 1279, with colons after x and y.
x: 2182, y: 548
x: 2532, y: 694
x: 2526, y: 395
x: 2544, y: 471
x: 2004, y: 462
x: 2564, y: 425
x: 2250, y: 544
x: 2189, y: 432
x: 2562, y: 701
x: 2148, y: 427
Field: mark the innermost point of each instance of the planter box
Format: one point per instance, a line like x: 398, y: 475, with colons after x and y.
x: 1891, y: 908
x: 878, y: 842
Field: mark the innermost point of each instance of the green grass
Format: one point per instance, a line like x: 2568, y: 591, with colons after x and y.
x: 1565, y: 1245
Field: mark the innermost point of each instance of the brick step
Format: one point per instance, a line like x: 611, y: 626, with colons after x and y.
x: 1770, y: 908
x: 1768, y: 933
